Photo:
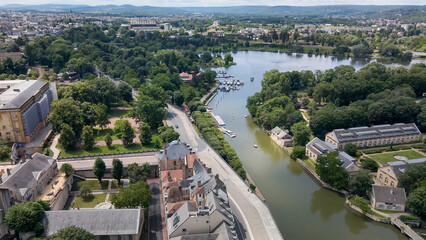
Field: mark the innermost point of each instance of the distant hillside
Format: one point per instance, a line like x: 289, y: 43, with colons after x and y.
x: 331, y: 10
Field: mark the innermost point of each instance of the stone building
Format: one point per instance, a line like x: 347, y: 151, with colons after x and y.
x: 281, y: 137
x: 389, y: 174
x: 388, y: 198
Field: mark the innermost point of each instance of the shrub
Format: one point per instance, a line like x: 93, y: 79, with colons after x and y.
x: 298, y: 152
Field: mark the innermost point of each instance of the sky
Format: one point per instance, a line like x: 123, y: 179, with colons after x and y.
x: 181, y: 3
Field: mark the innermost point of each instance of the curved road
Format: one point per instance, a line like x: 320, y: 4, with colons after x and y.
x: 253, y: 216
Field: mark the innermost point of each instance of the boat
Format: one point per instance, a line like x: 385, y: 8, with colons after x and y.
x: 245, y: 116
x: 251, y: 78
x: 230, y: 133
x: 255, y: 145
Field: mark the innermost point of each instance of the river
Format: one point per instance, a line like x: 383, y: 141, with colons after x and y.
x: 301, y: 208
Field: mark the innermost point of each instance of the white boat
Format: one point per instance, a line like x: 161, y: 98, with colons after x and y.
x: 255, y: 145
x: 245, y: 116
x: 251, y: 78
x: 230, y: 133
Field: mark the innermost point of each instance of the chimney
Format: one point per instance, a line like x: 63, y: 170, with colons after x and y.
x: 199, y: 184
x: 1, y: 180
x: 169, y: 177
x: 8, y: 171
x: 391, y: 191
x: 16, y: 90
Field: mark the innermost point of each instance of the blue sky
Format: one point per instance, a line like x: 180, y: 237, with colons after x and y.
x: 180, y: 3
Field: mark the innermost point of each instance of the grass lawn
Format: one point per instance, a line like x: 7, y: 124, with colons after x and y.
x: 115, y: 185
x: 310, y: 163
x: 116, y: 148
x: 384, y: 158
x: 118, y: 113
x: 100, y: 134
x: 93, y: 185
x: 81, y: 203
x: 387, y: 211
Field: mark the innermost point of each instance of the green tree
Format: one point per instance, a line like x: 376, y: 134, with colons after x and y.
x: 168, y: 134
x: 150, y: 111
x: 298, y: 152
x: 24, y: 217
x: 125, y: 91
x: 117, y: 169
x: 134, y: 196
x: 305, y: 102
x: 99, y: 169
x: 350, y: 149
x: 85, y: 192
x: 108, y: 140
x: 101, y: 110
x: 329, y: 169
x: 67, y: 169
x: 228, y: 59
x: 87, y: 137
x: 369, y: 164
x: 67, y: 111
x: 67, y: 138
x: 127, y: 133
x: 300, y: 133
x: 145, y: 134
x: 361, y: 203
x: 360, y: 183
x: 72, y: 233
x: 138, y: 173
x: 412, y: 177
x: 416, y: 201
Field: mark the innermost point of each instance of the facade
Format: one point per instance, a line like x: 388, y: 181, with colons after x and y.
x: 388, y: 198
x: 281, y: 137
x: 27, y: 180
x: 316, y: 147
x: 174, y: 156
x: 113, y: 224
x: 4, y: 206
x: 24, y: 106
x: 144, y: 26
x: 375, y: 135
x: 389, y: 174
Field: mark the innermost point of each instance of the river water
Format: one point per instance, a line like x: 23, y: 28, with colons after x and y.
x: 301, y: 208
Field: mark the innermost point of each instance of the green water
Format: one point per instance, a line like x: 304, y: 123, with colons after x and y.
x: 301, y: 208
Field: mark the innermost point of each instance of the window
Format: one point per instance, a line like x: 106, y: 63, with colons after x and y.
x: 7, y: 133
x: 392, y: 184
x: 381, y: 176
x: 18, y: 132
x: 15, y: 116
x: 386, y: 180
x: 184, y: 230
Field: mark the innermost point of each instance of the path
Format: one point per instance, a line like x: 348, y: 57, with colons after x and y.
x: 88, y: 163
x: 303, y: 111
x: 211, y: 90
x: 56, y: 151
x: 155, y: 223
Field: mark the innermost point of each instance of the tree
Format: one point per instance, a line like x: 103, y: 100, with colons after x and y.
x: 138, y: 173
x: 300, y: 133
x: 145, y: 134
x: 117, y: 169
x: 298, y: 152
x: 87, y: 137
x: 101, y: 110
x: 412, y: 177
x: 72, y: 233
x: 108, y: 140
x: 66, y: 111
x: 99, y: 169
x: 228, y: 59
x: 305, y: 102
x: 369, y: 164
x: 361, y: 203
x: 360, y: 183
x: 416, y: 201
x: 150, y: 110
x: 85, y: 192
x: 67, y: 169
x: 125, y: 91
x: 133, y: 196
x: 350, y: 149
x: 168, y: 134
x: 127, y: 133
x: 361, y: 51
x: 24, y: 217
x: 67, y: 138
x: 329, y: 169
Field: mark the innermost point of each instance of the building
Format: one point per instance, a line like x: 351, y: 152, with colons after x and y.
x: 316, y: 147
x: 57, y: 192
x: 388, y: 198
x: 144, y: 26
x: 24, y: 106
x: 27, y: 180
x: 281, y: 137
x: 348, y: 162
x: 187, y: 77
x: 12, y: 55
x: 124, y: 224
x: 4, y: 206
x: 389, y: 174
x: 174, y: 156
x: 166, y: 26
x: 222, y: 232
x: 375, y: 135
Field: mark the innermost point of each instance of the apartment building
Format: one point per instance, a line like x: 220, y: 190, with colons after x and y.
x: 375, y: 135
x: 389, y: 174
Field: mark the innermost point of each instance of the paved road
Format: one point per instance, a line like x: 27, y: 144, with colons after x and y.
x: 88, y: 164
x: 155, y: 231
x: 253, y: 216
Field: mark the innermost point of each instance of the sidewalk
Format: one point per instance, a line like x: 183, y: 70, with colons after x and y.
x: 53, y: 147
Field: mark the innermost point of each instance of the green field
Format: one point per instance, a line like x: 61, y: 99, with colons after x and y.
x: 100, y: 134
x: 118, y: 113
x: 82, y: 203
x: 134, y: 147
x: 93, y: 185
x: 384, y: 158
x: 310, y: 163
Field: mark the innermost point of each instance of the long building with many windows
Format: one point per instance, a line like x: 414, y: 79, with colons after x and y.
x: 375, y: 135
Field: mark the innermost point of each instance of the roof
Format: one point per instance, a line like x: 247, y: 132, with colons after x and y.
x: 398, y: 167
x: 386, y: 194
x: 320, y: 147
x: 176, y: 150
x: 378, y: 131
x: 25, y: 175
x: 280, y: 133
x: 201, y: 174
x: 96, y: 221
x: 348, y: 162
x: 175, y: 175
x: 18, y: 92
x: 222, y: 232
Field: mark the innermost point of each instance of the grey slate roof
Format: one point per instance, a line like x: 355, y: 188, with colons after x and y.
x: 348, y: 162
x: 222, y: 232
x: 398, y: 167
x: 25, y: 175
x: 201, y: 174
x: 281, y: 133
x: 378, y: 131
x: 386, y: 194
x: 98, y: 222
x: 321, y: 147
x: 176, y: 150
x: 19, y: 93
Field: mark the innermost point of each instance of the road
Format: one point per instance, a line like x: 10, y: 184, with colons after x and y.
x: 253, y: 217
x: 88, y: 164
x: 155, y: 231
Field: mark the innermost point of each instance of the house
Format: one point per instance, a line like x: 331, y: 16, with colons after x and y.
x: 281, y: 137
x: 187, y: 77
x: 222, y: 232
x: 124, y: 224
x: 24, y: 106
x: 388, y: 198
x: 389, y: 174
x: 27, y: 180
x: 375, y: 135
x: 174, y: 156
x: 316, y: 147
x: 348, y: 162
x: 4, y: 206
